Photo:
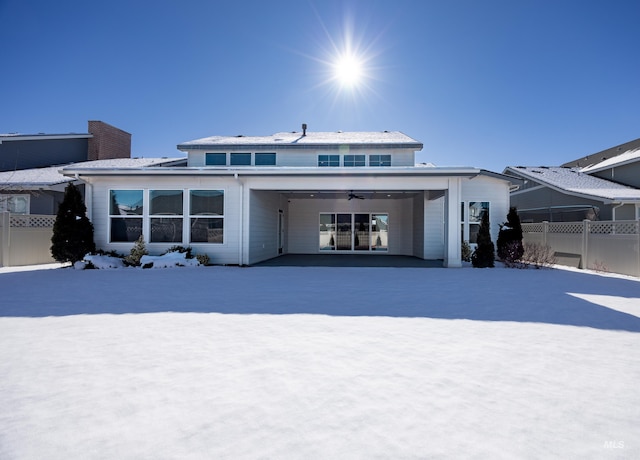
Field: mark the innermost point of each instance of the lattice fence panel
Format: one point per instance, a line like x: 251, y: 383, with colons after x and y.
x: 619, y: 227
x: 533, y: 228
x: 565, y: 227
x: 31, y: 221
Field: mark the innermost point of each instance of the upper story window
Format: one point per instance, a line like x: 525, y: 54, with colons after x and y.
x: 354, y: 160
x: 215, y: 159
x: 379, y: 160
x: 329, y: 160
x: 265, y: 159
x: 240, y: 159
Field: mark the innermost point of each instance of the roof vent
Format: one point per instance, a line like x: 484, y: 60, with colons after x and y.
x: 304, y: 129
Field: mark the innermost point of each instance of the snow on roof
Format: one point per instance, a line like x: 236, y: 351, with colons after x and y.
x: 297, y: 139
x: 575, y: 181
x: 49, y: 176
x: 619, y: 160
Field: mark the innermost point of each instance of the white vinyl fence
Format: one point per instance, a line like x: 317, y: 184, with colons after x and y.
x: 610, y: 246
x: 25, y: 239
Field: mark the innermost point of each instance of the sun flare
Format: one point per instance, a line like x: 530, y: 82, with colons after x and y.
x: 348, y: 70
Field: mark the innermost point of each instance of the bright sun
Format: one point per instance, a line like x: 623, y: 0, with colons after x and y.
x: 348, y: 70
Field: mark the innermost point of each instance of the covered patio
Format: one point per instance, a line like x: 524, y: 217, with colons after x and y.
x: 349, y: 260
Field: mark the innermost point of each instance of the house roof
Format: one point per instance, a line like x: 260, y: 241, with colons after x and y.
x: 41, y: 136
x: 630, y: 156
x: 298, y: 140
x: 576, y: 182
x: 599, y: 157
x: 39, y: 178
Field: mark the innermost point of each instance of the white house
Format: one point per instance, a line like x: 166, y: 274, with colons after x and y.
x: 242, y: 199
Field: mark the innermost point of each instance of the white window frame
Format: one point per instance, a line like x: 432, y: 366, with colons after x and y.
x: 189, y: 216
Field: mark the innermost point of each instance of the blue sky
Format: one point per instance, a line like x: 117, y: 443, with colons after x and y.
x: 481, y: 83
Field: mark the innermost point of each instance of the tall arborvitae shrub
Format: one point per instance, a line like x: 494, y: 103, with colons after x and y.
x: 484, y: 255
x: 72, y: 231
x: 509, y: 242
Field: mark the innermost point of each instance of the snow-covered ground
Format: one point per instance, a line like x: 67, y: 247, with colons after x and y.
x: 318, y: 363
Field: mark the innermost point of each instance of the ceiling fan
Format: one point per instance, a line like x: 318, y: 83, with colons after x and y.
x: 353, y: 195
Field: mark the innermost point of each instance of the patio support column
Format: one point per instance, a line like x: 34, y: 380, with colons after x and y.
x: 452, y: 245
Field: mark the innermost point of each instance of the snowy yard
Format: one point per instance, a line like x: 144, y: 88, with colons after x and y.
x: 318, y: 363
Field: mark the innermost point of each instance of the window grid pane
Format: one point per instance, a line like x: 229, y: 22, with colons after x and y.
x: 329, y: 160
x: 265, y: 159
x: 354, y: 160
x: 166, y: 202
x: 215, y: 159
x: 240, y: 159
x: 206, y: 229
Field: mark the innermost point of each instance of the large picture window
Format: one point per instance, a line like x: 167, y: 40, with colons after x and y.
x: 125, y: 210
x: 206, y: 214
x: 165, y: 209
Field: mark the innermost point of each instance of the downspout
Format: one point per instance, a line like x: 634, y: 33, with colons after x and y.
x: 241, y: 242
x: 613, y: 211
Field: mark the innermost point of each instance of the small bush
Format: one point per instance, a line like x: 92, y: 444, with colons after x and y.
x: 538, y: 255
x: 509, y: 244
x: 181, y: 250
x: 203, y: 259
x: 137, y: 251
x: 465, y: 251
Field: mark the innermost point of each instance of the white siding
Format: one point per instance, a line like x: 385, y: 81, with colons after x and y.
x: 226, y: 253
x: 434, y: 227
x: 496, y: 192
x: 263, y: 225
x: 309, y: 157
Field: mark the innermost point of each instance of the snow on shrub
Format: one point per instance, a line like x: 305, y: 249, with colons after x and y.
x: 168, y: 260
x: 102, y: 261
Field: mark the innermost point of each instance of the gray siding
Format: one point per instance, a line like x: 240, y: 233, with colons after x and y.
x: 40, y: 153
x: 626, y: 174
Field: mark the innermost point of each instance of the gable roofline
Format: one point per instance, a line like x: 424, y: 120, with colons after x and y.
x: 587, y: 186
x: 42, y: 137
x: 598, y: 157
x: 306, y: 141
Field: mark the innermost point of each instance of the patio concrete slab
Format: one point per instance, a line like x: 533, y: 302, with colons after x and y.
x: 348, y: 260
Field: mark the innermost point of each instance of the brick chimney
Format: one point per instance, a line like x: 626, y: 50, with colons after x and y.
x: 107, y: 142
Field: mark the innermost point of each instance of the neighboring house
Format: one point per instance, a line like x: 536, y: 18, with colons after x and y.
x: 561, y: 194
x: 29, y: 164
x: 620, y: 164
x: 41, y: 190
x: 242, y: 200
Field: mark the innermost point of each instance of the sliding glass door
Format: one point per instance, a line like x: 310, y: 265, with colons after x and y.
x: 353, y: 232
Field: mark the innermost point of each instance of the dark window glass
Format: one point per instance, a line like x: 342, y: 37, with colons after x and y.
x: 329, y: 160
x: 207, y: 230
x: 215, y: 159
x: 265, y: 159
x: 207, y: 202
x: 240, y: 159
x: 354, y: 160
